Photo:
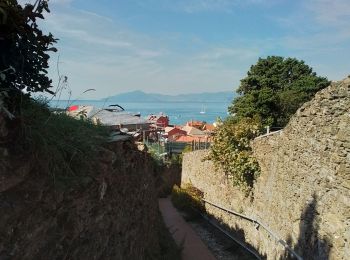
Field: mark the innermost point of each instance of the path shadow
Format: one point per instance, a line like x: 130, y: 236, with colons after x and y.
x: 239, y: 235
x: 167, y: 177
x: 189, y: 200
x: 310, y: 245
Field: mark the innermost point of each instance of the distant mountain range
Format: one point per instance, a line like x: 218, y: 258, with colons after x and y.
x: 140, y: 96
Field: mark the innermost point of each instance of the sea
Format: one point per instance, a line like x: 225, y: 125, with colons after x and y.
x: 178, y: 112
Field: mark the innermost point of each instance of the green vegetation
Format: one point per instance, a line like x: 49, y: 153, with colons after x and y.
x: 275, y: 88
x: 156, y: 150
x: 232, y: 153
x: 65, y: 148
x: 60, y: 146
x: 176, y: 159
x: 159, y: 154
x: 271, y: 93
x: 189, y: 200
x: 24, y: 52
x: 188, y: 148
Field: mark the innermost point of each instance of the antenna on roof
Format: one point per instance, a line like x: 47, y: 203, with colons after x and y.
x: 116, y: 105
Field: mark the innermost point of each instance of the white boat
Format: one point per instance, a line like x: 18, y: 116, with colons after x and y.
x: 203, y: 110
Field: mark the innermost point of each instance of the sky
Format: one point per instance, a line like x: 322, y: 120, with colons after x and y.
x: 189, y: 46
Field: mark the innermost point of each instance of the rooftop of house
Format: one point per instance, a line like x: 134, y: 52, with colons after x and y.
x: 156, y: 117
x: 193, y: 131
x: 187, y: 139
x: 168, y: 129
x: 209, y: 127
x: 195, y: 123
x: 171, y: 128
x: 106, y: 117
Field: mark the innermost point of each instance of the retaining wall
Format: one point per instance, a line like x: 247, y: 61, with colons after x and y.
x: 303, y: 192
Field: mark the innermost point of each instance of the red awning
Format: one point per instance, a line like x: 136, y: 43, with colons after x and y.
x: 73, y: 108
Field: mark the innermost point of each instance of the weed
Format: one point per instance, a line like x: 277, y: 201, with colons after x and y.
x: 64, y: 147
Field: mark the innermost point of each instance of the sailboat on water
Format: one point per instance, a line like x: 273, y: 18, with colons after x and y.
x: 203, y: 110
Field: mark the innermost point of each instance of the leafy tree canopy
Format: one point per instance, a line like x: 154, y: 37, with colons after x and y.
x: 270, y: 94
x: 275, y: 88
x: 24, y: 47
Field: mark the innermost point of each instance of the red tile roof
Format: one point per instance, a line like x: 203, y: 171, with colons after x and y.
x: 189, y: 139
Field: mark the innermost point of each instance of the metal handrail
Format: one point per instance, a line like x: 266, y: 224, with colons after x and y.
x: 230, y: 236
x: 268, y: 134
x: 257, y: 224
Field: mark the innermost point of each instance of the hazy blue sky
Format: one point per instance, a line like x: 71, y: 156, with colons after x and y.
x: 182, y: 46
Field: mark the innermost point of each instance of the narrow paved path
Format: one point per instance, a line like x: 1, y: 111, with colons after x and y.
x: 183, y: 234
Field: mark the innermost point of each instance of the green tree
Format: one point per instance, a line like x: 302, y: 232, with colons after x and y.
x: 23, y: 49
x: 275, y: 88
x: 270, y: 94
x: 232, y: 153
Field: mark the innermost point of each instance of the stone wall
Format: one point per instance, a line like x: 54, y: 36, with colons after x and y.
x: 111, y: 213
x: 303, y: 192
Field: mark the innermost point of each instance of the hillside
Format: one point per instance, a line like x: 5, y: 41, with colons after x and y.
x: 140, y: 96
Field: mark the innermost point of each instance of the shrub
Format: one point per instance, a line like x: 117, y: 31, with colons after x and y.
x: 188, y: 199
x: 232, y: 153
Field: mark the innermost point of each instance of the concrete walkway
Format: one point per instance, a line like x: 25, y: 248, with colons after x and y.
x: 183, y: 234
